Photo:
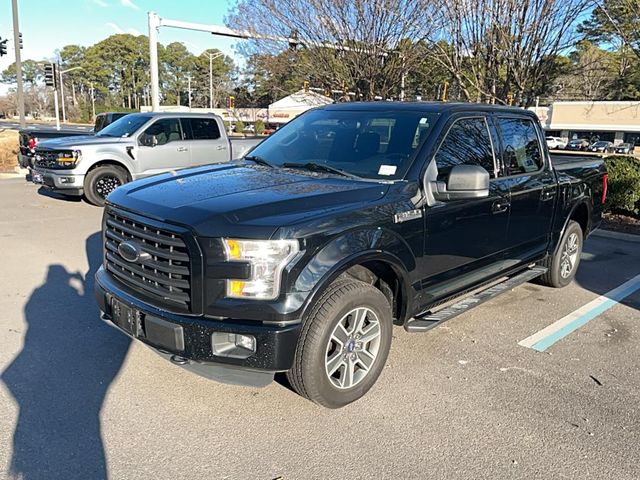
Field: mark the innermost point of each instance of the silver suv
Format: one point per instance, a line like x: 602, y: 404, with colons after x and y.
x: 135, y: 146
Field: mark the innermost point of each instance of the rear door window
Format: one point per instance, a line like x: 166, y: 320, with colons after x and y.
x: 468, y: 142
x: 521, y: 146
x: 201, y: 128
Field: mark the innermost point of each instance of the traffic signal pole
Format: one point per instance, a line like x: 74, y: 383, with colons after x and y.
x: 16, y: 43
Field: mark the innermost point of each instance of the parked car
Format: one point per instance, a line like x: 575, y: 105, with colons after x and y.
x: 301, y: 258
x: 30, y: 137
x: 601, y: 146
x: 555, y: 143
x: 577, y: 144
x: 624, y: 148
x: 135, y: 146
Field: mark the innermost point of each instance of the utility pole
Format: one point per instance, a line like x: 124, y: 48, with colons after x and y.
x: 93, y: 104
x: 64, y: 113
x: 189, y: 89
x: 154, y: 24
x: 16, y: 44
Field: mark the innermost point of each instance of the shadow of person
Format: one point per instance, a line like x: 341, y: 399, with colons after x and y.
x: 61, y: 376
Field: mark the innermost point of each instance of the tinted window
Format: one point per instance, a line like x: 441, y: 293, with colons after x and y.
x: 125, y: 126
x: 165, y: 130
x: 370, y: 144
x: 201, y: 128
x: 522, y: 152
x: 467, y: 143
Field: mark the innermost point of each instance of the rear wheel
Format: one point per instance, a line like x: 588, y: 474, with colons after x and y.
x: 101, y: 181
x: 563, y: 264
x: 344, y: 344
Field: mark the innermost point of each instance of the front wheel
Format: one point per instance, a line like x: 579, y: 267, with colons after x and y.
x: 101, y: 181
x: 344, y: 344
x: 563, y: 264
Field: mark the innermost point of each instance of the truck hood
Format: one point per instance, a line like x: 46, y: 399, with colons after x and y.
x: 242, y: 200
x: 78, y: 141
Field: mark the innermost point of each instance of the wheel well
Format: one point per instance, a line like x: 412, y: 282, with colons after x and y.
x: 581, y: 215
x: 382, y: 276
x: 111, y: 162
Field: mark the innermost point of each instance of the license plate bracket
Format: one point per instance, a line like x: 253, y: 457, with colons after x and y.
x: 126, y: 317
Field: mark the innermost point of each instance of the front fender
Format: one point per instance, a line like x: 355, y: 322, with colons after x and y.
x: 353, y: 248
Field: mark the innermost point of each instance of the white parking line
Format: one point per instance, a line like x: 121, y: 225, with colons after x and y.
x: 546, y: 337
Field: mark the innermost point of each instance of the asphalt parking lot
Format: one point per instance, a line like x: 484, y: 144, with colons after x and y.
x: 465, y: 400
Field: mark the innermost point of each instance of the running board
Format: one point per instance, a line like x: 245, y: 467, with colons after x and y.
x: 428, y: 320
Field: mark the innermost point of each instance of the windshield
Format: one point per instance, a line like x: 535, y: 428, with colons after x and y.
x: 125, y: 126
x: 369, y: 144
x: 575, y: 142
x: 602, y: 144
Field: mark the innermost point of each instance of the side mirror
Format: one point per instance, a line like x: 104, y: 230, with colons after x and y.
x: 149, y: 140
x: 464, y: 181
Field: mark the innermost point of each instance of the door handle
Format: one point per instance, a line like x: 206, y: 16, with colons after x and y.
x: 548, y: 194
x: 182, y: 149
x: 500, y: 206
x: 221, y: 147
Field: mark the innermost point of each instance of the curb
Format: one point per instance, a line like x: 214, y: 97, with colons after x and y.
x: 627, y: 237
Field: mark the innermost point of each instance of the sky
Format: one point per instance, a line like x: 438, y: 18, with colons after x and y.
x: 48, y: 25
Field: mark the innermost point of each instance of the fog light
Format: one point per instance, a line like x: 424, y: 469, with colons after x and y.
x: 233, y: 345
x: 67, y: 180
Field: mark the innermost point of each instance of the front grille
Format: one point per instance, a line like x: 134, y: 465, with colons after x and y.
x: 46, y: 158
x: 165, y: 276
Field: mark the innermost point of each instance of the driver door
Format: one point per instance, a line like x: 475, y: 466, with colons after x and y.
x: 161, y: 147
x: 465, y: 239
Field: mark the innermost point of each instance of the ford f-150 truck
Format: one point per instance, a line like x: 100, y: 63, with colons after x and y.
x: 135, y: 146
x: 30, y: 137
x: 347, y: 221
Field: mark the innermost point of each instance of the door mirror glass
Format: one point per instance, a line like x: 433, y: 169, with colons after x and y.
x: 463, y: 182
x: 148, y: 140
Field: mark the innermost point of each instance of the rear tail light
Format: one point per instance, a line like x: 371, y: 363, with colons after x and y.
x: 32, y: 143
x: 605, y: 180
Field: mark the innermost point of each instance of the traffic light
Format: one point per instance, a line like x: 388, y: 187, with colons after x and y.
x: 293, y: 40
x: 232, y: 102
x: 3, y: 47
x: 50, y: 75
x: 20, y: 35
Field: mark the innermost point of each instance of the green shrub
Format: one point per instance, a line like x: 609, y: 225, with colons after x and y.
x: 239, y: 126
x: 624, y: 184
x: 259, y: 127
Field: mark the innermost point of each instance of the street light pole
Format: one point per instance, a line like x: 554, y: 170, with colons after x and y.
x: 154, y: 24
x: 189, y: 88
x: 16, y: 44
x: 211, y: 57
x: 64, y: 113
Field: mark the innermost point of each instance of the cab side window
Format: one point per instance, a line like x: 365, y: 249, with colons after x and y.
x: 161, y: 132
x: 468, y: 142
x: 522, y: 153
x: 201, y: 128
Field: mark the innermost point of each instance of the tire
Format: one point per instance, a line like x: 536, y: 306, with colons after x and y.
x: 101, y: 181
x: 560, y: 273
x: 343, y: 303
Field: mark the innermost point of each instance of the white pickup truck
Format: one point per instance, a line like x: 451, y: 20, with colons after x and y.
x: 135, y: 146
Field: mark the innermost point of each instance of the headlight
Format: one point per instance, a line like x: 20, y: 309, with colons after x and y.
x: 68, y: 158
x: 267, y: 259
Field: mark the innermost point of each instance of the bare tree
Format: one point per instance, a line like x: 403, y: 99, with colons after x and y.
x: 498, y: 49
x: 361, y: 45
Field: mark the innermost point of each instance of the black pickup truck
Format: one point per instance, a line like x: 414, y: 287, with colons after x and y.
x: 347, y: 221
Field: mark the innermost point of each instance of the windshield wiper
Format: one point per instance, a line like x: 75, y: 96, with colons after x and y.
x: 320, y: 167
x: 258, y: 160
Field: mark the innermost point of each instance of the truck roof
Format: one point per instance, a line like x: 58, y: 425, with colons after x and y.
x: 432, y: 107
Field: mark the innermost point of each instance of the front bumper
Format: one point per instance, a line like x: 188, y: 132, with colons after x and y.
x: 189, y: 339
x: 60, y: 180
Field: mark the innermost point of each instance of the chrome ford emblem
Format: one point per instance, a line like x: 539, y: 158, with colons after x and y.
x: 132, y: 252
